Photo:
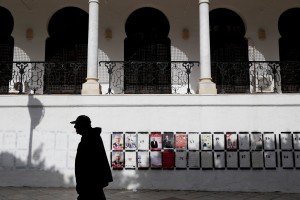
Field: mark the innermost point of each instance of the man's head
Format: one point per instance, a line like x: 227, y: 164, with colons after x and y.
x: 117, y: 139
x: 117, y: 157
x: 82, y: 123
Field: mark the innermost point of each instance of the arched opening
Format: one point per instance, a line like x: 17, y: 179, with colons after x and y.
x: 6, y: 49
x: 289, y: 50
x: 148, y: 49
x: 229, y: 52
x: 67, y: 45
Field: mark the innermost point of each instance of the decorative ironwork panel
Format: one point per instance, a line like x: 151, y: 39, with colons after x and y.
x: 290, y: 76
x: 64, y: 78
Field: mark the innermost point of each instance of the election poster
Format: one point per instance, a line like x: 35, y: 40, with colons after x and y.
x: 181, y: 141
x: 130, y: 141
x: 155, y: 141
x: 117, y: 141
x: 143, y: 141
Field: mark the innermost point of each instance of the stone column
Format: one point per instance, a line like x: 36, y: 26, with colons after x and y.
x: 206, y: 86
x: 92, y: 86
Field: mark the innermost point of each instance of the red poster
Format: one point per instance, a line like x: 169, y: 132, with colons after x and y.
x: 168, y: 159
x: 181, y: 141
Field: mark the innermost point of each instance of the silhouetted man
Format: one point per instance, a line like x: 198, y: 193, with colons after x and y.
x: 92, y: 169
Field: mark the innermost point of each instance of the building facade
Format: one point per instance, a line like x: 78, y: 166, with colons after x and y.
x: 226, y: 71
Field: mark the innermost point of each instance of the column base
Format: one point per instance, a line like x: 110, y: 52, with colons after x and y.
x: 91, y: 87
x: 207, y: 87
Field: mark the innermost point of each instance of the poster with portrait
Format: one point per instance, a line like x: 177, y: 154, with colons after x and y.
x: 231, y: 141
x: 143, y: 141
x: 181, y: 141
x: 130, y: 159
x: 143, y: 159
x: 130, y: 141
x: 168, y: 159
x: 194, y: 159
x: 181, y: 159
x: 155, y: 141
x: 155, y: 158
x: 219, y: 141
x: 206, y: 141
x: 117, y: 159
x: 117, y: 141
x: 168, y: 140
x: 256, y: 141
x: 193, y: 141
x: 244, y: 141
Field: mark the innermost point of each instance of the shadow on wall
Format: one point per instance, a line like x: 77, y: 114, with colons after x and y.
x: 15, y: 172
x: 23, y: 163
x: 36, y: 112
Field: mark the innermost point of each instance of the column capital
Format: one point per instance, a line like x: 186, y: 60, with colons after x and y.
x: 203, y: 1
x: 94, y: 1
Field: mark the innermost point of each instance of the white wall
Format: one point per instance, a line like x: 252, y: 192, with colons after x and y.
x: 40, y: 125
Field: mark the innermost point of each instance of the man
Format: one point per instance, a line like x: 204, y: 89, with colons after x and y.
x: 92, y: 169
x: 167, y: 143
x: 117, y: 145
x: 117, y: 163
x: 154, y: 143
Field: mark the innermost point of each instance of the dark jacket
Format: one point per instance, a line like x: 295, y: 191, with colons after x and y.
x: 92, y: 169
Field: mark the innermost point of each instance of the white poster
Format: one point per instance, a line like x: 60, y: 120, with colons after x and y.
x: 193, y: 141
x: 143, y: 159
x: 143, y: 141
x: 130, y: 159
x: 219, y: 141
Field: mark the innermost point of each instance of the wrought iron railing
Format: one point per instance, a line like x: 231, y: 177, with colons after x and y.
x: 136, y: 77
x: 257, y: 77
x: 42, y: 77
x: 119, y: 77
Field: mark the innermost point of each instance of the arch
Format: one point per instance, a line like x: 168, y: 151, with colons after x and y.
x: 228, y: 45
x: 67, y: 42
x: 6, y: 48
x: 289, y: 50
x: 147, y: 42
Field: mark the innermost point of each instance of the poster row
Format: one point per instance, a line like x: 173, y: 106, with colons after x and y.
x: 205, y: 141
x: 204, y: 159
